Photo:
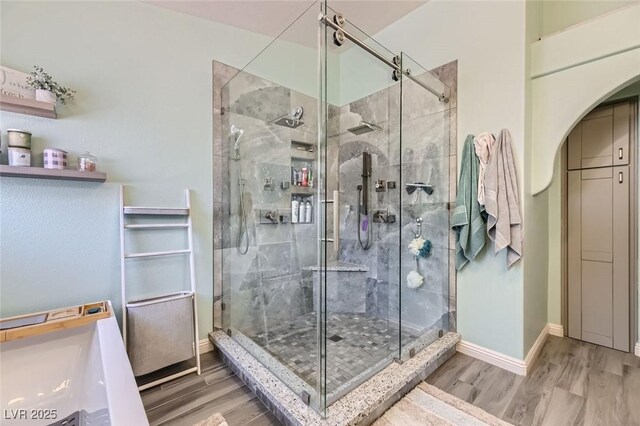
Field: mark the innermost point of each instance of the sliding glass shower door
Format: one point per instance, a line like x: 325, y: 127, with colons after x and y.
x: 360, y: 331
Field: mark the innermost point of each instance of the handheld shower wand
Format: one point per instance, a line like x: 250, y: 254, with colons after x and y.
x: 242, y: 236
x: 363, y: 209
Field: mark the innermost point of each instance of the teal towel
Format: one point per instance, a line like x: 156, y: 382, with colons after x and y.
x: 467, y: 220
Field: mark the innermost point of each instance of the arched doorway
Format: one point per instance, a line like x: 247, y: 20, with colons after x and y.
x: 574, y: 179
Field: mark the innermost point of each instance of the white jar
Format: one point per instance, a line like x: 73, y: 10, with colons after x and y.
x: 19, y: 157
x: 55, y: 158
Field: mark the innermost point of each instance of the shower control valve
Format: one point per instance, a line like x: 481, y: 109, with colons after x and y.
x: 380, y: 185
x: 272, y: 216
x: 383, y: 216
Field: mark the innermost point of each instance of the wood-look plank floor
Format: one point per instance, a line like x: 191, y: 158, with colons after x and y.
x: 572, y: 383
x: 192, y: 398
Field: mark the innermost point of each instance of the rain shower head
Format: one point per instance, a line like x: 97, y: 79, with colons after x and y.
x: 363, y: 128
x: 292, y: 120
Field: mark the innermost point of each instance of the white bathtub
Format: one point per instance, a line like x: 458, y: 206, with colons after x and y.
x: 45, y: 378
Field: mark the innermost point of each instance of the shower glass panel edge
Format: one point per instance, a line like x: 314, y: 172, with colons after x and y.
x: 425, y: 138
x: 361, y: 280
x: 322, y: 209
x: 268, y: 286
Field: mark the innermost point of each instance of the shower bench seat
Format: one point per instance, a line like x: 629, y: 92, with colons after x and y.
x: 346, y: 287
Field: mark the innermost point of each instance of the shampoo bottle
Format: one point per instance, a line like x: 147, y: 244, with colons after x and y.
x: 294, y: 210
x: 308, y: 209
x: 302, y: 212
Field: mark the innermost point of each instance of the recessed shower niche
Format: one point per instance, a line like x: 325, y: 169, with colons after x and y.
x: 324, y: 303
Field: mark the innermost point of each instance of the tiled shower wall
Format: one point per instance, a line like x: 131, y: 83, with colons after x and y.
x: 278, y: 254
x: 269, y: 283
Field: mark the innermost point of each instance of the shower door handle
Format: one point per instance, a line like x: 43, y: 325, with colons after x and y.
x: 336, y: 221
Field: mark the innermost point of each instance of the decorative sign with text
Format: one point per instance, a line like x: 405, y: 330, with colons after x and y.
x: 14, y: 83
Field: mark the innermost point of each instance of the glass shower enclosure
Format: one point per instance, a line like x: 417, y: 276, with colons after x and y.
x: 335, y: 160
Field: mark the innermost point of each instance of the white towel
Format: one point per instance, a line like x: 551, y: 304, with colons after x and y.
x: 483, y: 144
x: 504, y: 224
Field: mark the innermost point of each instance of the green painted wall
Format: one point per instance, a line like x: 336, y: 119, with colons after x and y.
x: 535, y: 209
x: 490, y: 297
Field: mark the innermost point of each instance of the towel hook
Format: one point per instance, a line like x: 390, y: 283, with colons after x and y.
x: 419, y: 222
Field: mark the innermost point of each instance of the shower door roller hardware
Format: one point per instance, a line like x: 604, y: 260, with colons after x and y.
x: 338, y: 38
x: 391, y: 184
x: 396, y: 75
x: 620, y: 177
x: 396, y: 60
x: 620, y: 155
x: 339, y: 19
x: 268, y: 184
x: 380, y: 185
x: 284, y: 184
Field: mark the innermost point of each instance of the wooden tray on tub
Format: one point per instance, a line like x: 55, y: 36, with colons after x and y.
x: 28, y: 325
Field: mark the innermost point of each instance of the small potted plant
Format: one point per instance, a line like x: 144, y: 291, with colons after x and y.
x: 48, y: 90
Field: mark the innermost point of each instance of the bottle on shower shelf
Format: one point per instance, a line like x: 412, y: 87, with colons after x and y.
x: 302, y: 213
x: 308, y: 210
x: 305, y: 176
x: 295, y: 210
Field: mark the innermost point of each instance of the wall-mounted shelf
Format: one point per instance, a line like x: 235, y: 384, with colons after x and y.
x: 41, y: 173
x: 300, y: 155
x: 302, y: 190
x: 28, y: 107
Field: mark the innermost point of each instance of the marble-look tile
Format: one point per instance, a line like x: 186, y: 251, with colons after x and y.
x: 423, y: 138
x: 453, y: 178
x: 222, y: 74
x: 345, y: 292
x: 217, y: 273
x: 261, y: 282
x: 453, y: 131
x: 448, y: 74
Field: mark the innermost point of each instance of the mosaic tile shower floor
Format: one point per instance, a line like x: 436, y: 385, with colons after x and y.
x: 354, y: 344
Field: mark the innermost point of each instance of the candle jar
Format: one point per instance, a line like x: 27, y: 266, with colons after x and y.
x: 87, y: 163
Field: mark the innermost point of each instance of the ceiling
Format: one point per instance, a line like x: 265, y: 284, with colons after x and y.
x: 271, y: 17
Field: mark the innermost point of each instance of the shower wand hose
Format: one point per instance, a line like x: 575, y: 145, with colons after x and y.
x: 367, y: 245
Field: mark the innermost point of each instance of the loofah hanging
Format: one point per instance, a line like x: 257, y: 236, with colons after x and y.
x: 420, y: 247
x: 414, y: 279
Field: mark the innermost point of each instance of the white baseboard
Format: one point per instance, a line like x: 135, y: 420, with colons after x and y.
x: 506, y: 362
x: 205, y: 346
x: 637, y: 351
x: 492, y: 357
x: 532, y: 356
x: 556, y: 330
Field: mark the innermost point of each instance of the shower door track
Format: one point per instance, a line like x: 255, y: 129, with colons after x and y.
x: 394, y: 63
